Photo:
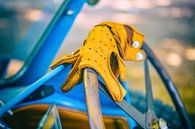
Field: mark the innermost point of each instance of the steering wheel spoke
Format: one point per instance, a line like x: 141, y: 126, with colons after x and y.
x: 151, y: 118
x: 148, y: 84
x: 146, y: 120
x: 126, y: 107
x: 92, y: 99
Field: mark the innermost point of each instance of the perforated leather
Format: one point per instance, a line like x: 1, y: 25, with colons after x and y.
x: 103, y: 40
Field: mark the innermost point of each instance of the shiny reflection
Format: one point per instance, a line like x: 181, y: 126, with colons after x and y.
x: 14, y: 67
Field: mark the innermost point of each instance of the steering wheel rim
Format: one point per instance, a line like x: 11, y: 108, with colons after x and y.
x: 169, y: 86
x: 146, y: 120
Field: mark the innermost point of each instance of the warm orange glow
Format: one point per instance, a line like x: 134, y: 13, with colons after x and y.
x: 174, y: 59
x: 14, y: 67
x: 190, y: 54
x: 34, y: 15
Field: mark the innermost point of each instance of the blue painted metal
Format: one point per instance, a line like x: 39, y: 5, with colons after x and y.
x: 44, y: 52
x: 26, y: 92
x: 74, y: 99
x: 124, y: 84
x: 42, y: 56
x: 4, y: 62
x: 39, y: 65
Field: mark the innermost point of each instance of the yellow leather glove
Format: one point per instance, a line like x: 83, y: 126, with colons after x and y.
x: 106, y: 43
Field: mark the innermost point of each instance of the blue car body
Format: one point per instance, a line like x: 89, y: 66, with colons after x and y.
x: 32, y: 77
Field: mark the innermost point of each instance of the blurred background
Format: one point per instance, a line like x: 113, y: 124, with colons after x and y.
x: 168, y: 26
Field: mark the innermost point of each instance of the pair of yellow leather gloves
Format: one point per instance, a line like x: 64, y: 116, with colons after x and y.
x: 104, y: 41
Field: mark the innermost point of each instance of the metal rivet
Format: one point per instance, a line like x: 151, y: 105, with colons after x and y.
x: 135, y: 44
x: 139, y: 56
x: 70, y: 12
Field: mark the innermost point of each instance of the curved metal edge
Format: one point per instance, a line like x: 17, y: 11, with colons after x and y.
x: 30, y: 88
x: 169, y: 86
x: 43, y: 53
x: 51, y: 113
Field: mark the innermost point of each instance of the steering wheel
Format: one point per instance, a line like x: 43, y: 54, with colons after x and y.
x: 146, y: 120
x: 169, y: 86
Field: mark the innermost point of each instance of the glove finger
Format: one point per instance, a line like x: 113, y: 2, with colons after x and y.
x: 73, y: 77
x: 112, y: 84
x: 71, y: 81
x: 114, y: 87
x: 64, y: 59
